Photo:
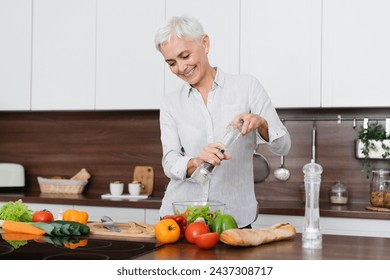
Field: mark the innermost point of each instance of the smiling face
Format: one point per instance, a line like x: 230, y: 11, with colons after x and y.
x: 187, y: 59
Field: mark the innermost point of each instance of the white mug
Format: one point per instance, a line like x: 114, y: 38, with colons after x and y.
x: 135, y: 188
x: 116, y: 188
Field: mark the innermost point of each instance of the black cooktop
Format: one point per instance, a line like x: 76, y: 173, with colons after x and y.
x: 94, y: 249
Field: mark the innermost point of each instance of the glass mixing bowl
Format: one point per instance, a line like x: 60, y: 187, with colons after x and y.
x: 180, y: 207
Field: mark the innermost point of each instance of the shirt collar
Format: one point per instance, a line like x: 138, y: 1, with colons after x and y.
x: 218, y: 81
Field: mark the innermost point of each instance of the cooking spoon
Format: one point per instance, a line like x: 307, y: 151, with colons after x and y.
x: 282, y: 173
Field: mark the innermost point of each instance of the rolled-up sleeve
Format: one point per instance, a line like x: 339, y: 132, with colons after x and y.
x: 174, y: 162
x: 279, y: 138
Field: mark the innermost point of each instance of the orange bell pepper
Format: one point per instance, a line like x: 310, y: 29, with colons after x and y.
x: 72, y: 245
x: 73, y: 215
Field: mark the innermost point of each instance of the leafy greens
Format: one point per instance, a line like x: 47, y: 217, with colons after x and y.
x: 16, y: 211
x: 204, y: 212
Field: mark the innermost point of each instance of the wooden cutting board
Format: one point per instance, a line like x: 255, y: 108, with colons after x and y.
x: 97, y: 229
x: 144, y: 175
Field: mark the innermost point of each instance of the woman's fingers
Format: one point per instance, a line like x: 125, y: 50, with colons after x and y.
x: 250, y: 122
x: 214, y: 153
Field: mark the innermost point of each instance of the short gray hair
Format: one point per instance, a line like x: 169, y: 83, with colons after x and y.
x: 181, y: 27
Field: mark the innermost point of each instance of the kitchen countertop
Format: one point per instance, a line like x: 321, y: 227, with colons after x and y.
x: 334, y: 247
x: 295, y: 208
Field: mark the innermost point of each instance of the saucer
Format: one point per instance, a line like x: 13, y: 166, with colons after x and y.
x: 124, y: 196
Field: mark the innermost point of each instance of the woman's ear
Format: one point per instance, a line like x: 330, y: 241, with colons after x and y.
x: 206, y: 43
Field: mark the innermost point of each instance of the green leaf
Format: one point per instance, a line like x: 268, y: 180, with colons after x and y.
x: 377, y: 132
x: 16, y: 211
x: 48, y: 228
x: 65, y: 229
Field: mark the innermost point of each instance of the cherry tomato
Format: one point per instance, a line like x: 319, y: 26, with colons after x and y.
x: 44, y: 216
x: 167, y: 231
x: 195, y: 229
x: 207, y: 241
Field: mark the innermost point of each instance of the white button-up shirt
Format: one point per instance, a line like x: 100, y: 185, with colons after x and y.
x: 188, y: 125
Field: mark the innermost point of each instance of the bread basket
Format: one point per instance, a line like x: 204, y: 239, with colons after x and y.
x: 61, y: 186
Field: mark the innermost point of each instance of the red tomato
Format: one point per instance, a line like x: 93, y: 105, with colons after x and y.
x: 207, y: 241
x: 195, y: 229
x: 44, y: 216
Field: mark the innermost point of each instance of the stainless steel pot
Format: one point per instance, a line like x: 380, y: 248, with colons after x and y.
x: 261, y: 168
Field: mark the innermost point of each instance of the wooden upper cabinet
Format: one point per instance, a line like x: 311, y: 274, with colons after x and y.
x: 220, y: 20
x: 281, y: 46
x: 63, y: 69
x: 15, y: 54
x: 129, y: 69
x: 356, y: 56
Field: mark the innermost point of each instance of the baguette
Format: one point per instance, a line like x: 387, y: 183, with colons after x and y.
x: 83, y: 174
x: 255, y: 237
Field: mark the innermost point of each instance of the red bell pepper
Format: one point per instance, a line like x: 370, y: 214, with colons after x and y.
x: 180, y: 220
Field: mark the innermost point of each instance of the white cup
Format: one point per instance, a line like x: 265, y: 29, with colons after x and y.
x: 116, y: 188
x: 135, y: 188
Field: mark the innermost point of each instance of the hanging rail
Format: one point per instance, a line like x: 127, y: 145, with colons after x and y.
x: 339, y: 119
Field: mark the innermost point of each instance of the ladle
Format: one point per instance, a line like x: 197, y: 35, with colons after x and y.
x: 282, y: 173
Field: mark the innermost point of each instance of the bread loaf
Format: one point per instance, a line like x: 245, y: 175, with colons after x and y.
x: 255, y: 237
x: 56, y: 177
x: 81, y: 175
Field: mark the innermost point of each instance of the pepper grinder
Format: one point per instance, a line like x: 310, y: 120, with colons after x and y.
x: 311, y: 234
x: 204, y: 171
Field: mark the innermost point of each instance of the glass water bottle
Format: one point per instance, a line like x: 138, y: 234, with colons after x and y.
x: 311, y: 235
x: 204, y: 171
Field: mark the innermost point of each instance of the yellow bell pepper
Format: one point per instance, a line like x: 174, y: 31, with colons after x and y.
x: 72, y: 215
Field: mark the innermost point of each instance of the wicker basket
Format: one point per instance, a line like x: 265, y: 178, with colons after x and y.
x: 61, y: 186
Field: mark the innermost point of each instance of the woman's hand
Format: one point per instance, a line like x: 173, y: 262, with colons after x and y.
x: 212, y: 153
x: 252, y: 122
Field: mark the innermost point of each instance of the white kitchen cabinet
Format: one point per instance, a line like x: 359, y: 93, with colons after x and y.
x: 281, y: 46
x: 356, y: 55
x: 55, y: 209
x: 152, y: 216
x: 329, y: 225
x: 118, y: 214
x: 63, y: 54
x: 15, y: 54
x: 220, y: 20
x: 129, y: 69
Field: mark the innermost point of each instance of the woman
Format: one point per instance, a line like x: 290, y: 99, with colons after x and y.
x: 194, y: 118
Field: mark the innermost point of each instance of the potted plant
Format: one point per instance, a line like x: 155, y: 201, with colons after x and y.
x: 373, y: 143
